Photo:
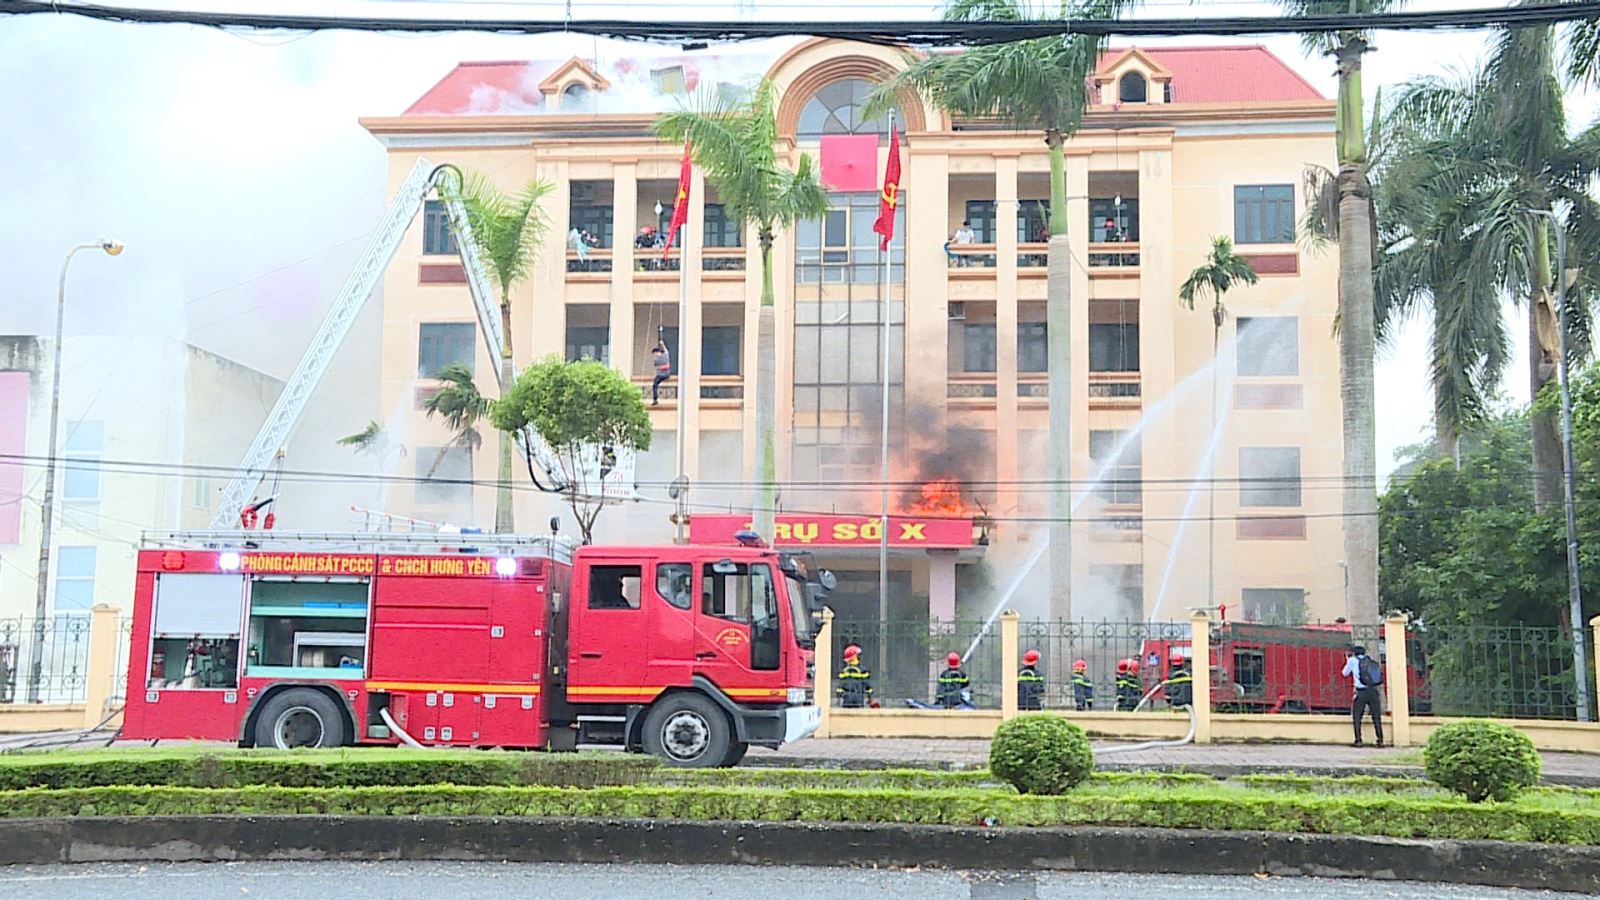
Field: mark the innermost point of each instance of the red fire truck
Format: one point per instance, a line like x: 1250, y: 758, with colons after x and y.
x: 691, y: 653
x: 1271, y: 668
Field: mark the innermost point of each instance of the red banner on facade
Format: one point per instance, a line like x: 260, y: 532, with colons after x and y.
x: 838, y: 531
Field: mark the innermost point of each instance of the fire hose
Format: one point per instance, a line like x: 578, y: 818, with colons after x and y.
x: 397, y: 731
x: 1188, y: 738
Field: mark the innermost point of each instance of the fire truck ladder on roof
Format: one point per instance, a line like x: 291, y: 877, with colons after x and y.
x: 362, y: 542
x: 291, y: 404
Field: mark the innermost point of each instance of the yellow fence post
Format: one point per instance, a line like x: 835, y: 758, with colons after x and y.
x: 822, y: 667
x: 1594, y: 655
x: 1200, y: 669
x: 101, y: 671
x: 1396, y: 679
x: 1008, y: 664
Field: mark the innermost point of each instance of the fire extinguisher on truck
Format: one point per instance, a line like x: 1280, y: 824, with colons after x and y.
x: 690, y: 653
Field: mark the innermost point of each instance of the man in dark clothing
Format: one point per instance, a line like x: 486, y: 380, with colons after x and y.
x: 1179, y: 685
x: 1082, y: 686
x: 1030, y: 684
x: 952, y: 681
x: 1365, y: 675
x: 662, y: 360
x: 855, y: 683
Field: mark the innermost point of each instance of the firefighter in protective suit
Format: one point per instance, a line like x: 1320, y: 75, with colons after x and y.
x: 1082, y: 686
x: 1030, y: 684
x: 1127, y: 684
x: 952, y: 682
x: 1179, y: 685
x: 855, y: 683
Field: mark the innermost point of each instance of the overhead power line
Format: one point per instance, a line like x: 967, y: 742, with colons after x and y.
x: 919, y: 34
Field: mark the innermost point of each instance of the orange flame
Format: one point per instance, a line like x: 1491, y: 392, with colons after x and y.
x: 941, y: 497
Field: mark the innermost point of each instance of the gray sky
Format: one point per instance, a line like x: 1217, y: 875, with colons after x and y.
x: 232, y: 164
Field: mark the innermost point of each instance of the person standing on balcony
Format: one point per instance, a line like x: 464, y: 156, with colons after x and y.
x: 1082, y: 686
x: 962, y: 238
x: 662, y: 360
x: 1030, y: 684
x: 1365, y: 676
x: 1113, y: 234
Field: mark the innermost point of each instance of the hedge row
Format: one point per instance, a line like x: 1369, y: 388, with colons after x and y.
x: 336, y: 768
x: 1571, y: 821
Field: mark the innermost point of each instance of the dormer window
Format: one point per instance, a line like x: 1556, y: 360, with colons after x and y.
x: 1132, y: 88
x: 574, y: 95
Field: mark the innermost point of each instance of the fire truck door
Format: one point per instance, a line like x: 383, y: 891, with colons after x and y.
x: 607, y: 641
x: 738, y: 633
x: 672, y: 614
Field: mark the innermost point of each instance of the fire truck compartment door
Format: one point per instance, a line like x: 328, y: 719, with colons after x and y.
x: 608, y: 638
x: 738, y: 631
x: 431, y: 630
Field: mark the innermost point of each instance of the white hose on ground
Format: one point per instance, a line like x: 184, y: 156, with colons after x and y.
x: 397, y: 731
x: 1194, y: 722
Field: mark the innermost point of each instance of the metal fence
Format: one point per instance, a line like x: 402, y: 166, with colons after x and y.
x: 1506, y: 671
x: 44, y: 660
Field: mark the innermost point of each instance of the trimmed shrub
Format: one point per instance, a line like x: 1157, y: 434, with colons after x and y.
x: 1041, y: 754
x: 1483, y: 760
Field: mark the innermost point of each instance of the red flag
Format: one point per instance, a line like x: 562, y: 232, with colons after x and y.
x: 680, y: 206
x: 890, y: 200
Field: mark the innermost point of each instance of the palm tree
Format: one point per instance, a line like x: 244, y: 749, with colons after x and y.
x: 1032, y: 84
x: 374, y: 441
x: 735, y: 143
x: 460, y: 406
x: 508, y: 230
x: 1222, y: 271
x: 1346, y: 200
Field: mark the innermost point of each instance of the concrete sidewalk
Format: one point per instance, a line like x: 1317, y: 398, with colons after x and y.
x: 1575, y: 768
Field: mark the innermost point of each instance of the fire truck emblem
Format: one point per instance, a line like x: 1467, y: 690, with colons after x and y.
x: 730, y: 637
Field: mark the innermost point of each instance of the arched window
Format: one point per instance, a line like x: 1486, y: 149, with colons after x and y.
x: 1131, y: 88
x: 837, y: 108
x: 574, y: 95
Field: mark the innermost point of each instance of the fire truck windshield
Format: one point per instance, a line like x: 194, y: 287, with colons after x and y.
x: 798, y: 611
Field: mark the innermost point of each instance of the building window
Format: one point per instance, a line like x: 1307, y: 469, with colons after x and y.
x: 1132, y: 88
x: 837, y: 109
x: 1269, y: 345
x: 1263, y: 214
x: 1033, y: 221
x: 200, y: 496
x: 444, y: 476
x: 722, y: 230
x: 1114, y: 347
x: 978, y: 347
x: 441, y: 344
x: 437, y: 238
x: 720, y: 350
x: 1110, y: 221
x: 1120, y: 477
x: 670, y: 80
x: 84, y: 445
x: 74, y: 579
x: 980, y: 216
x: 573, y: 96
x: 589, y: 342
x: 1033, y: 347
x: 594, y: 219
x: 1269, y: 476
x: 842, y: 248
x: 1274, y: 606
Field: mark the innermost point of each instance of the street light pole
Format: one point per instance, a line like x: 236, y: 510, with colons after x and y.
x: 42, y: 601
x: 1568, y: 483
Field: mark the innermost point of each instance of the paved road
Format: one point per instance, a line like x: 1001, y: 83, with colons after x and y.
x: 497, y: 881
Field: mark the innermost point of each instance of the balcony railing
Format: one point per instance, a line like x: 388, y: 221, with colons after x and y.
x: 1106, y: 389
x: 715, y: 390
x: 594, y: 261
x: 722, y: 259
x: 1122, y: 256
x: 970, y: 256
x: 976, y: 387
x: 1033, y: 256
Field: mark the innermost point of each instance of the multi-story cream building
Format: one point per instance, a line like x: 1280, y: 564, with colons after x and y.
x: 1174, y: 501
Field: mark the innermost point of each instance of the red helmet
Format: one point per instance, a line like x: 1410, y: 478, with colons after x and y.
x: 1133, y: 664
x: 1079, y: 665
x: 1031, y: 657
x: 953, y: 660
x: 852, y: 652
x: 1176, y: 658
x: 1122, y: 666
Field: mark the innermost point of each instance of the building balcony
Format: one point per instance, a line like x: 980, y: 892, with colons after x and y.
x: 594, y: 265
x: 1107, y: 390
x: 723, y: 263
x: 971, y: 389
x: 1114, y: 259
x: 715, y: 391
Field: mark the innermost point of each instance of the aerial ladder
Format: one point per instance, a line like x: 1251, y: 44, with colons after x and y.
x: 604, y: 472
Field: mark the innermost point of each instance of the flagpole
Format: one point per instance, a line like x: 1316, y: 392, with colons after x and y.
x: 883, y: 433
x: 682, y: 233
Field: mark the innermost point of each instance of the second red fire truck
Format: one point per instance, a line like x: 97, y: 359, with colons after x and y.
x: 691, y: 653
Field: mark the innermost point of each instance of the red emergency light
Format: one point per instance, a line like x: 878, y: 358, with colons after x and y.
x: 172, y: 560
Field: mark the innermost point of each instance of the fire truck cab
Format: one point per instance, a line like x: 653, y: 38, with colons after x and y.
x: 691, y: 653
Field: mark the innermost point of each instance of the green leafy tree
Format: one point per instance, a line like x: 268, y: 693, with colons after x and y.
x: 459, y: 405
x: 735, y: 141
x: 375, y: 441
x: 1222, y: 271
x: 508, y: 229
x: 1031, y: 84
x: 582, y: 410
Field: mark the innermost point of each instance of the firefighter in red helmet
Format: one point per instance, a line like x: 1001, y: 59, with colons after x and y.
x: 1127, y: 685
x: 953, y: 682
x: 1030, y: 684
x: 1179, y: 684
x: 1082, y: 686
x: 855, y: 683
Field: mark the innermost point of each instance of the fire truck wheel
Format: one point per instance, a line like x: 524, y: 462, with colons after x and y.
x: 300, y: 717
x: 736, y: 753
x: 688, y: 730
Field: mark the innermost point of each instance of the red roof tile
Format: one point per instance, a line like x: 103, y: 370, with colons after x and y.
x: 1237, y: 74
